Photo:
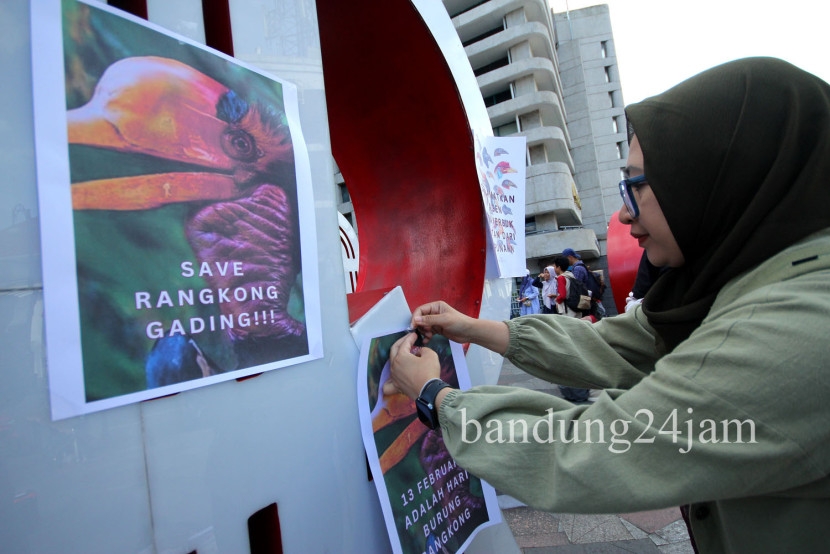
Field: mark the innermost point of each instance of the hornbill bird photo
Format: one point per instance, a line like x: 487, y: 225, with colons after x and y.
x: 230, y: 161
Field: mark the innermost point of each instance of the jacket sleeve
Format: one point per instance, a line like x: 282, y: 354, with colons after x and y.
x: 561, y: 289
x: 738, y: 409
x: 581, y: 272
x: 616, y: 352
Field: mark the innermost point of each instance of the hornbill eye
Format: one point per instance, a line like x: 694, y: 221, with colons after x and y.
x: 239, y: 145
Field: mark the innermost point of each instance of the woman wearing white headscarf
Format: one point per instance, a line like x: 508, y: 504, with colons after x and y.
x: 548, y: 281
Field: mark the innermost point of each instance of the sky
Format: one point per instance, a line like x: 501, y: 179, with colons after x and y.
x: 662, y: 42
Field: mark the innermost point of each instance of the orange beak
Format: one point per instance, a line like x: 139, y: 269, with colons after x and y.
x: 165, y: 109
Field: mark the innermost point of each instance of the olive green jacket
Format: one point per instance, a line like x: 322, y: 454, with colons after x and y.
x: 734, y: 421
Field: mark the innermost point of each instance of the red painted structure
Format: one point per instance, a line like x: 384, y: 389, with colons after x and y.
x: 624, y: 255
x: 401, y: 138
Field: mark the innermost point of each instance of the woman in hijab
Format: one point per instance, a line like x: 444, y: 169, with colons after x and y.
x: 528, y: 296
x: 548, y: 290
x: 716, y: 387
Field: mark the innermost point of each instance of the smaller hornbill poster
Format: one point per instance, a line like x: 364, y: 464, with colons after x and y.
x: 501, y: 175
x: 177, y: 226
x: 430, y: 504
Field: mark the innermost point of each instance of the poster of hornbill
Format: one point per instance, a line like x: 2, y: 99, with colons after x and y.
x: 177, y: 225
x: 430, y: 504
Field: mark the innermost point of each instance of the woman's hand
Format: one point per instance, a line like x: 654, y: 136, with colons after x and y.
x: 411, y: 367
x: 439, y: 318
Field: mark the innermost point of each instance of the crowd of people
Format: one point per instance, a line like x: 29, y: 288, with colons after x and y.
x: 549, y: 291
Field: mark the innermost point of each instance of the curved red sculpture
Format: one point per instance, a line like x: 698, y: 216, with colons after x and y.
x: 401, y: 138
x: 624, y: 254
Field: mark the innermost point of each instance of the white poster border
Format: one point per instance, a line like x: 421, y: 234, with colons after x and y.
x: 61, y: 304
x: 460, y: 363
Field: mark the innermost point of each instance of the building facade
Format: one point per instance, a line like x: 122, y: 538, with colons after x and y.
x: 553, y: 79
x: 596, y: 115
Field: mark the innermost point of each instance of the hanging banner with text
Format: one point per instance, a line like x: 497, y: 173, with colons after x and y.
x: 501, y: 174
x: 430, y: 504
x: 177, y: 223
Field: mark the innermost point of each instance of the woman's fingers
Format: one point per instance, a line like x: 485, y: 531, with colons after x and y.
x: 406, y: 343
x: 389, y: 387
x: 410, y: 371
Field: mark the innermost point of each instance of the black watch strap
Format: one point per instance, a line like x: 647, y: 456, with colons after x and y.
x: 425, y: 403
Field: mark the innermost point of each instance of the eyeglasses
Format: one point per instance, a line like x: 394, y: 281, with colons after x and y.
x: 628, y: 194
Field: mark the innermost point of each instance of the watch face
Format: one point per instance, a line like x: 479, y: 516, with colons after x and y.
x: 425, y: 413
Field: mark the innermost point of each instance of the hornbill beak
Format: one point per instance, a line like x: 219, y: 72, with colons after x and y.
x: 396, y: 407
x: 167, y: 110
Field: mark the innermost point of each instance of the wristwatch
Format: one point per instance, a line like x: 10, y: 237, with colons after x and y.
x: 425, y: 403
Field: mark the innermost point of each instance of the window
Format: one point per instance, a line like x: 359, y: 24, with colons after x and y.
x: 497, y: 98
x: 344, y: 194
x: 530, y: 225
x: 603, y: 47
x: 484, y: 35
x: 611, y: 98
x: 608, y: 77
x: 491, y: 66
x: 538, y: 154
x: 465, y: 10
x: 615, y: 125
x: 506, y: 129
x: 619, y: 124
x: 620, y: 150
x: 530, y: 120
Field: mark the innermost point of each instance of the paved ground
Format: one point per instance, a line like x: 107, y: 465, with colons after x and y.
x: 536, y: 532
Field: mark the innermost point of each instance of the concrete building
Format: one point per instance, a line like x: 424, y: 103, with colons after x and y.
x: 596, y: 116
x: 553, y: 78
x: 511, y: 48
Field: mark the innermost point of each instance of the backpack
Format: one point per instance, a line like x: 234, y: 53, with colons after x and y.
x: 596, y: 284
x: 577, y: 299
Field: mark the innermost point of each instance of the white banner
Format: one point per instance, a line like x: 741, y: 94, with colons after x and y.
x: 501, y: 172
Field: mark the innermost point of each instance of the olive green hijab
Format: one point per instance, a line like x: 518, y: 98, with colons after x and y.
x: 739, y: 160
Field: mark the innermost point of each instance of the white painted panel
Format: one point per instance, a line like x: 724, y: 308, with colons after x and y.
x: 60, y: 483
x: 19, y: 235
x: 77, y: 485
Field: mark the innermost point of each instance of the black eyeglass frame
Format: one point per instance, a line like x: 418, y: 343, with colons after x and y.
x: 628, y: 194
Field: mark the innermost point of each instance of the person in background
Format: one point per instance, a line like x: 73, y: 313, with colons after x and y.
x: 581, y: 272
x: 547, y: 283
x: 528, y: 296
x: 715, y: 388
x: 577, y: 266
x: 563, y: 284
